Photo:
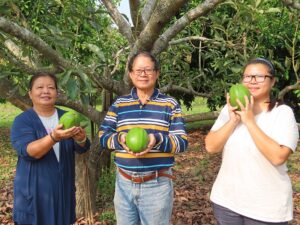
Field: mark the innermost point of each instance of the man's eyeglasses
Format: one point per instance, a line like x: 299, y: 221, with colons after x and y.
x: 257, y: 78
x: 145, y: 71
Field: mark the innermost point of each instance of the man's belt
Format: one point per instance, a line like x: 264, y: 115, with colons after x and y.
x: 142, y: 179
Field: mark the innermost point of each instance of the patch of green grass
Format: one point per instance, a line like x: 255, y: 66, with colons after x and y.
x: 198, y: 106
x: 108, y: 217
x: 294, y: 169
x: 199, y: 124
x: 8, y: 157
x: 8, y: 112
x: 106, y: 186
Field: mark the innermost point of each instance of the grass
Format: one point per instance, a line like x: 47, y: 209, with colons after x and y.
x: 198, y: 106
x: 7, y: 114
x: 294, y: 169
x: 8, y: 158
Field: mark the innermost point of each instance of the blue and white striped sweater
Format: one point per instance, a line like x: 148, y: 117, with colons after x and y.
x: 161, y: 115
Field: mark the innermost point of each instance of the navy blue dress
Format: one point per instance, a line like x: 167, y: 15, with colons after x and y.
x: 44, y: 189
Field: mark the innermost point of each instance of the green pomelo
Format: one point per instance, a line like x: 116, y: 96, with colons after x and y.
x: 238, y: 91
x: 70, y: 119
x: 137, y: 139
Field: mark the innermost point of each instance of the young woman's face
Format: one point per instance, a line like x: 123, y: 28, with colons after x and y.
x: 43, y: 92
x: 143, y: 74
x: 258, y: 80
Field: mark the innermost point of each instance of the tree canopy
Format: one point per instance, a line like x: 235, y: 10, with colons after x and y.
x: 202, y: 46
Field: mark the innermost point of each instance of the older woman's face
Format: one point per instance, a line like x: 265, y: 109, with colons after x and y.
x: 43, y: 92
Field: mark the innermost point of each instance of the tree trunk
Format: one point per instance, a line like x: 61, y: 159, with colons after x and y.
x: 88, y: 172
x: 201, y: 116
x: 87, y: 176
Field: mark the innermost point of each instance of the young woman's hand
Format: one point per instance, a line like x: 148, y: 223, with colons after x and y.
x: 234, y: 116
x: 246, y: 114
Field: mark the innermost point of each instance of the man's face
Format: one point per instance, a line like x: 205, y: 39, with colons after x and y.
x: 143, y: 74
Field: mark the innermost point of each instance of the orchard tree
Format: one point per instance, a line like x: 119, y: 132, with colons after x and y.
x: 202, y: 46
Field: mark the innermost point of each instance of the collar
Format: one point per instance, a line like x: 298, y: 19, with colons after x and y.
x: 153, y: 96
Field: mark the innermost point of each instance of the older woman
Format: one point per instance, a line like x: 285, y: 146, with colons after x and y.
x: 44, y: 184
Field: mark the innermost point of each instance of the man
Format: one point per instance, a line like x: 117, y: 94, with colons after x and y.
x: 144, y: 188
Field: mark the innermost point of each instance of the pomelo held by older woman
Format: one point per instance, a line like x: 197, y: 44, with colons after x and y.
x: 70, y: 119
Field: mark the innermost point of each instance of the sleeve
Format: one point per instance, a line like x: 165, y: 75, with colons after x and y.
x: 22, y: 134
x: 83, y: 149
x: 109, y: 137
x: 222, y: 119
x: 176, y: 141
x: 285, y: 130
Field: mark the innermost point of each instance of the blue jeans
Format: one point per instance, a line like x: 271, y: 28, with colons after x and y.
x: 148, y: 203
x: 225, y: 216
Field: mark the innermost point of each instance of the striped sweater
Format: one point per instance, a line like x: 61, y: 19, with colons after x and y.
x: 161, y: 115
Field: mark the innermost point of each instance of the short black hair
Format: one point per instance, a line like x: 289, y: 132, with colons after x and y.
x: 38, y: 75
x: 263, y: 61
x: 146, y: 54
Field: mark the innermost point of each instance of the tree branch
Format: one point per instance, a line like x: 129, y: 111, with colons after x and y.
x: 24, y: 67
x: 201, y: 10
x: 134, y: 12
x: 88, y: 111
x: 201, y: 116
x: 123, y: 25
x: 147, y: 11
x: 29, y: 38
x: 162, y: 14
x: 292, y: 3
x: 285, y: 90
x: 49, y: 53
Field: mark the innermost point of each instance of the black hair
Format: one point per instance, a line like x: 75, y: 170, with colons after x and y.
x: 146, y: 54
x: 36, y: 76
x: 271, y: 69
x: 263, y: 61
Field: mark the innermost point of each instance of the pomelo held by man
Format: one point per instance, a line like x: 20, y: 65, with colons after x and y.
x: 137, y: 139
x: 238, y: 91
x: 70, y: 119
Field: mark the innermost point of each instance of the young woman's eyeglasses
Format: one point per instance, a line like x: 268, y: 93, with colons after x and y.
x: 145, y: 71
x: 257, y: 78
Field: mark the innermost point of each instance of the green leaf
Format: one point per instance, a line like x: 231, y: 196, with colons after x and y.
x: 257, y: 3
x: 97, y: 51
x: 287, y: 63
x: 65, y: 77
x: 273, y: 10
x: 297, y: 66
x: 72, y: 89
x: 236, y: 68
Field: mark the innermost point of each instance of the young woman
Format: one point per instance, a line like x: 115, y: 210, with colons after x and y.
x: 253, y: 186
x: 44, y: 184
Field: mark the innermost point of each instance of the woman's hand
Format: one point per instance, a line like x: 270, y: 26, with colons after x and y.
x: 234, y: 116
x: 246, y: 114
x: 80, y: 135
x: 59, y: 133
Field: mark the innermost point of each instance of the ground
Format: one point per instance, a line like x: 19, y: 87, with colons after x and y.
x: 195, y: 172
